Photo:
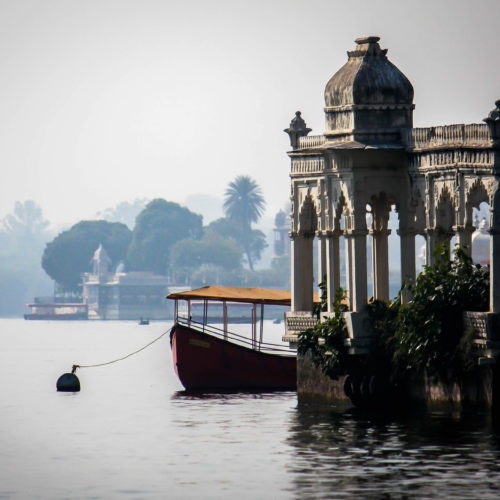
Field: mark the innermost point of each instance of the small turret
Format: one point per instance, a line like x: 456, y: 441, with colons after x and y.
x: 298, y: 128
x: 493, y: 122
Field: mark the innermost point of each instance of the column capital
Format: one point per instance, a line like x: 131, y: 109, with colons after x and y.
x: 333, y: 233
x: 301, y: 234
x: 380, y: 232
x: 436, y: 231
x: 459, y: 228
x: 406, y: 232
x: 356, y: 232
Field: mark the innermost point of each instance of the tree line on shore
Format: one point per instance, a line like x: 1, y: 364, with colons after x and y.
x: 167, y: 239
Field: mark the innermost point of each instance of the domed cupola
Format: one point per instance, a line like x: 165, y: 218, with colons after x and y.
x: 368, y: 100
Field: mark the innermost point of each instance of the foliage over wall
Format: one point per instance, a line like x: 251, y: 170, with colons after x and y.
x: 425, y: 335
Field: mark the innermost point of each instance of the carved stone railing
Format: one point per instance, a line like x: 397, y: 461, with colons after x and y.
x: 473, y: 135
x: 477, y: 321
x: 312, y: 165
x: 311, y: 141
x: 297, y: 322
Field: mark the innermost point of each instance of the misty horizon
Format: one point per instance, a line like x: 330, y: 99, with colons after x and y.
x: 110, y: 101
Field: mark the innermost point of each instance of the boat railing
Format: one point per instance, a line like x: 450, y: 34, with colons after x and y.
x: 235, y: 338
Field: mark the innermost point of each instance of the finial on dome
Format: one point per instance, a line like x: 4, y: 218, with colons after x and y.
x: 367, y: 39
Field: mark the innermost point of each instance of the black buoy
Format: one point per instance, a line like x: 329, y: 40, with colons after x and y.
x: 68, y: 382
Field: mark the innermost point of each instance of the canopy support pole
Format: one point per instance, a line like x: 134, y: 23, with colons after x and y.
x: 254, y: 326
x: 261, y: 324
x: 224, y: 309
x: 205, y: 308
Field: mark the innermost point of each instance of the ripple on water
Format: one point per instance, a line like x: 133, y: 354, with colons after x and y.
x: 132, y: 433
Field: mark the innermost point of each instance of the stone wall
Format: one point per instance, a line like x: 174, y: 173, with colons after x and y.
x: 315, y: 386
x: 477, y: 389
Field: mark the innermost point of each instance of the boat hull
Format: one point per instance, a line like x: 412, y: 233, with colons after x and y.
x: 204, y: 362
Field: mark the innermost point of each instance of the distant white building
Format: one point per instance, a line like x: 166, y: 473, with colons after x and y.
x: 481, y: 244
x: 120, y: 295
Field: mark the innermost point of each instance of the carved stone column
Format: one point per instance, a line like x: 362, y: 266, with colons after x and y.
x: 463, y: 236
x: 430, y: 246
x: 407, y: 242
x: 359, y: 269
x: 381, y: 263
x: 348, y: 267
x: 321, y: 258
x: 332, y: 266
x: 493, y: 123
x: 302, y: 272
x: 495, y: 255
x: 434, y: 238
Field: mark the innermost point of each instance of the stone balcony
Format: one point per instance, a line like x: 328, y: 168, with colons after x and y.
x: 475, y: 135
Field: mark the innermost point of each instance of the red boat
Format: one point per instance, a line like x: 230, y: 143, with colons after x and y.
x: 210, y: 358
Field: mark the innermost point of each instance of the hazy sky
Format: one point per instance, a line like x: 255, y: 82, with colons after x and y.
x: 108, y: 101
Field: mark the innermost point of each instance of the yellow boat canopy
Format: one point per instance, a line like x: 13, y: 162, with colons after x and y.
x: 237, y: 294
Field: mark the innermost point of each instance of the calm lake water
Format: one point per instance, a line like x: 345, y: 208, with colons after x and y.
x: 133, y: 433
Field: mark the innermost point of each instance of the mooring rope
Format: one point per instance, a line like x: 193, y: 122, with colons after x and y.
x: 75, y: 367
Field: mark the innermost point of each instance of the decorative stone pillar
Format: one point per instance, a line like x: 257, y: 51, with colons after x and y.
x: 430, y: 246
x: 321, y: 259
x: 407, y: 243
x: 359, y: 269
x: 434, y: 238
x: 494, y: 271
x: 493, y: 123
x: 332, y: 266
x: 302, y: 272
x: 495, y: 254
x: 381, y: 263
x: 463, y: 235
x: 348, y: 267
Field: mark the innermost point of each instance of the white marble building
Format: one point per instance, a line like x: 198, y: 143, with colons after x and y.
x: 370, y: 159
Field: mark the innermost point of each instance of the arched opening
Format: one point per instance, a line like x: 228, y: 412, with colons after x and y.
x: 369, y: 252
x: 477, y: 222
x: 394, y: 253
x: 302, y: 256
x: 342, y: 252
x: 480, y: 240
x: 442, y: 232
x: 379, y: 235
x: 420, y: 253
x: 336, y: 250
x: 419, y: 224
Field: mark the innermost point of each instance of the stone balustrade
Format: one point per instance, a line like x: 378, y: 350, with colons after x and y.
x: 297, y: 322
x: 307, y: 166
x: 311, y: 141
x: 473, y: 135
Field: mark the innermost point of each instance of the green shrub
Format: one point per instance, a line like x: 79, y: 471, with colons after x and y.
x: 326, y: 340
x: 424, y: 335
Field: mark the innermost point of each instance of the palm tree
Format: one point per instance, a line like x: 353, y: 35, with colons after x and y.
x: 244, y: 204
x: 243, y: 201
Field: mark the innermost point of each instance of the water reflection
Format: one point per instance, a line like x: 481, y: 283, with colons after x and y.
x: 338, y: 453
x: 229, y: 395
